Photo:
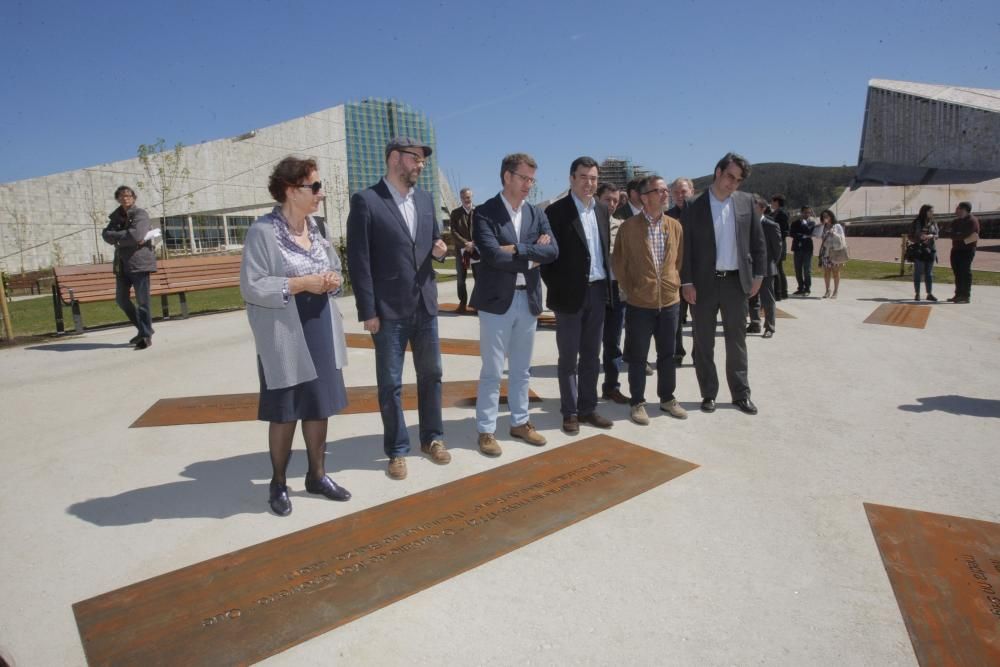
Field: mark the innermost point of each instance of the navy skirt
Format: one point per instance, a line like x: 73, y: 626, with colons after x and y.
x: 316, y: 399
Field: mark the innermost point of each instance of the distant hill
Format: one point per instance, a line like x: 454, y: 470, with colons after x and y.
x: 818, y: 187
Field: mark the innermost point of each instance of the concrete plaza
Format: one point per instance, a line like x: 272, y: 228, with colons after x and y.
x: 762, y: 555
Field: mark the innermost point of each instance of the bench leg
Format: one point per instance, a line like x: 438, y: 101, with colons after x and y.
x: 165, y: 306
x: 184, y: 305
x: 77, y: 317
x: 57, y: 307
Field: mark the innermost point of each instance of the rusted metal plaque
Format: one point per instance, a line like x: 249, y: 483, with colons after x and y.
x: 453, y: 308
x: 900, y: 315
x: 779, y: 313
x: 448, y: 345
x: 945, y: 572
x: 243, y: 407
x: 247, y: 605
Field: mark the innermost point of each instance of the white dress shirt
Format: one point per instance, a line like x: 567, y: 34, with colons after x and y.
x: 515, y: 217
x: 724, y: 222
x: 407, y: 207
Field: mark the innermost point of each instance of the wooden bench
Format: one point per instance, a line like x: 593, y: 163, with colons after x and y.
x: 88, y: 283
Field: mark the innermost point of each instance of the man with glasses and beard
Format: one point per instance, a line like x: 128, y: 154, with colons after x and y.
x: 392, y: 235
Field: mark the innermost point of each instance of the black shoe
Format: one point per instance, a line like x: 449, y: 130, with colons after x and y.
x: 768, y: 333
x: 798, y: 292
x: 931, y: 297
x: 678, y: 360
x: 963, y: 299
x: 952, y: 299
x: 708, y: 405
x: 806, y: 293
x: 144, y: 343
x: 327, y: 487
x: 754, y: 328
x: 746, y: 406
x: 278, y: 499
x: 649, y: 368
x: 134, y: 340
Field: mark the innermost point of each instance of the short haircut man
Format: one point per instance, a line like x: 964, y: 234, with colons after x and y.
x: 801, y: 231
x: 392, y: 237
x: 134, y: 260
x: 681, y: 191
x: 648, y: 258
x: 633, y: 206
x: 723, y: 266
x: 578, y: 290
x: 513, y: 237
x: 614, y: 312
x: 460, y: 223
x: 779, y: 215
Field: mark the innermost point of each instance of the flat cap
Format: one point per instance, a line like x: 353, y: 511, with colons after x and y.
x: 402, y: 143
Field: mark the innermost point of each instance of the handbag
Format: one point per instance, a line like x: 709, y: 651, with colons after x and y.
x: 839, y: 255
x: 918, y: 252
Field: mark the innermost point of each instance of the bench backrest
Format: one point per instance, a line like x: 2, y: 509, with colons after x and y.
x: 96, y: 282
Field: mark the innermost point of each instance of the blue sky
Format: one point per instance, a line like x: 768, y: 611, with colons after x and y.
x: 673, y: 85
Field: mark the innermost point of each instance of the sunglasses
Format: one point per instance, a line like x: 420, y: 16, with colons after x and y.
x: 315, y: 187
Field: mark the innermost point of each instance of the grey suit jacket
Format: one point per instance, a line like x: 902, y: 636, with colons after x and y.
x: 497, y: 272
x: 391, y: 273
x: 277, y: 330
x: 699, y: 242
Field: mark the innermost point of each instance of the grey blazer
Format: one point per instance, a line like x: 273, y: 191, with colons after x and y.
x: 277, y: 330
x: 699, y: 242
x: 126, y: 231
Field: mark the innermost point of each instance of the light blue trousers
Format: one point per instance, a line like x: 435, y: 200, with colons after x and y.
x: 510, y: 336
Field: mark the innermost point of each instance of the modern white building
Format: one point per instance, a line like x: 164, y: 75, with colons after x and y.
x: 207, y: 199
x: 925, y: 144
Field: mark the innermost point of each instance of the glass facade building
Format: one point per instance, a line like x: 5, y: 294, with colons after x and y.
x: 369, y: 125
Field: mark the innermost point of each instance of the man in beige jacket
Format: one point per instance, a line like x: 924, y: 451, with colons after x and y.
x: 647, y: 262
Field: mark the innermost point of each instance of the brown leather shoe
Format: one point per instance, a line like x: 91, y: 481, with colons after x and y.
x: 615, y: 395
x: 571, y: 425
x: 488, y: 445
x: 437, y: 452
x: 397, y: 467
x: 527, y: 433
x: 597, y: 420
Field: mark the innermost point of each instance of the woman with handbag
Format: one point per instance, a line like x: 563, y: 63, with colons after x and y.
x: 288, y: 276
x: 923, y: 232
x: 832, y: 251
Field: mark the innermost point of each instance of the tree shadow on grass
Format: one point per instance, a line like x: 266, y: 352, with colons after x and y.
x: 965, y: 406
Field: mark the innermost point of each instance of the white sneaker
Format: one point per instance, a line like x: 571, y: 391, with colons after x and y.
x: 638, y: 415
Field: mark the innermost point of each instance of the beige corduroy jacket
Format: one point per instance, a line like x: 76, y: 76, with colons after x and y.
x: 635, y: 270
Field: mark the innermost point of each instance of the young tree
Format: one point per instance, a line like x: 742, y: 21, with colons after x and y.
x: 165, y: 174
x: 20, y: 220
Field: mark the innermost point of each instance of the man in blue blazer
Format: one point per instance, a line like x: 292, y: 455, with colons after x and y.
x: 392, y: 235
x: 513, y: 238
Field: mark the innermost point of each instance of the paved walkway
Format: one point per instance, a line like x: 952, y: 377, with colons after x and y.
x: 887, y: 250
x: 762, y: 555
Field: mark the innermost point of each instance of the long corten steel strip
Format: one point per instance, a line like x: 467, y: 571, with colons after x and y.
x: 255, y: 602
x: 945, y: 572
x: 222, y: 408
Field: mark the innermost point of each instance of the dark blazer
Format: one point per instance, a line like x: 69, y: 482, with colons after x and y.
x: 781, y: 218
x: 774, y: 243
x: 460, y: 222
x: 492, y: 228
x: 699, y: 242
x: 801, y: 233
x: 567, y: 277
x: 390, y: 272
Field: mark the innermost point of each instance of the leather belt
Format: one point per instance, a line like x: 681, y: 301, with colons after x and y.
x: 727, y: 274
x: 521, y: 287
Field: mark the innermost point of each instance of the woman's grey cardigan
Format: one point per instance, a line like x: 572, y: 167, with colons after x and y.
x: 277, y: 330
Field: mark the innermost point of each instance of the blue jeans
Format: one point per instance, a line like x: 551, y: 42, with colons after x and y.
x: 420, y: 330
x: 660, y: 325
x: 923, y: 268
x: 510, y: 336
x: 140, y: 314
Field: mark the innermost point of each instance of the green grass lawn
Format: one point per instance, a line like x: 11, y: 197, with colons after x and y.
x: 861, y: 269
x: 36, y: 317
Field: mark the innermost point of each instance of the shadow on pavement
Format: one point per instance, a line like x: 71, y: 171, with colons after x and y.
x: 957, y: 405
x: 77, y: 347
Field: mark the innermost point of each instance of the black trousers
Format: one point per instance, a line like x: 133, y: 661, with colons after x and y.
x: 961, y: 266
x: 578, y: 339
x: 726, y: 295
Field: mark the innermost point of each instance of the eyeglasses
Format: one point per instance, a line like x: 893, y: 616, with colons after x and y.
x: 659, y: 191
x: 417, y: 157
x: 530, y: 180
x: 315, y: 187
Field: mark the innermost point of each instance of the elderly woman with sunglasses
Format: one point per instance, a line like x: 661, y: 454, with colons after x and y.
x: 288, y: 278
